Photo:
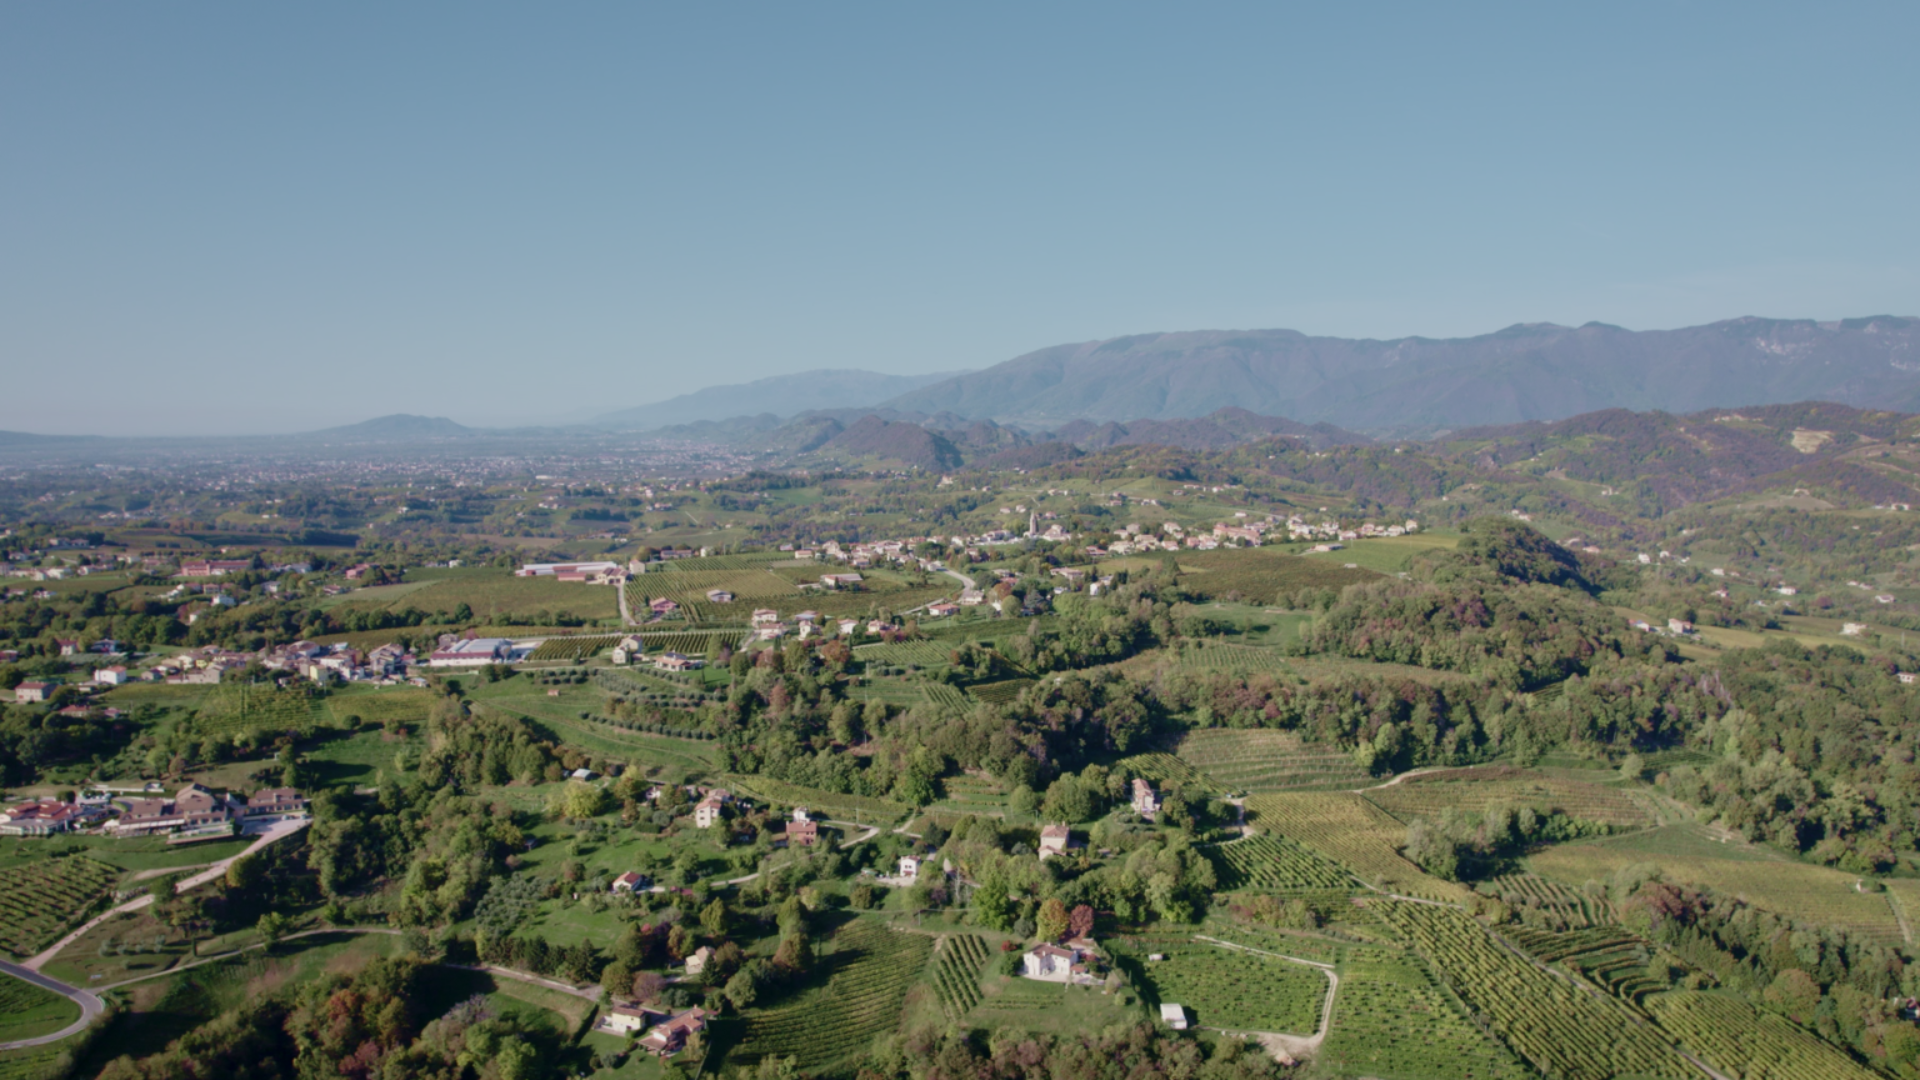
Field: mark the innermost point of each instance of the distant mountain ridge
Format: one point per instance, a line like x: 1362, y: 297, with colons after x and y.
x: 1525, y: 372
x: 782, y: 396
x: 397, y: 426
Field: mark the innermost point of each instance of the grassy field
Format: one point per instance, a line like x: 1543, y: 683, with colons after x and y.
x: 1386, y: 554
x: 492, y: 594
x: 1260, y: 575
x: 378, y: 705
x: 1474, y: 790
x: 26, y: 1011
x: 1226, y: 988
x: 1797, y: 890
x: 1012, y: 1001
x: 1260, y: 760
x: 831, y: 803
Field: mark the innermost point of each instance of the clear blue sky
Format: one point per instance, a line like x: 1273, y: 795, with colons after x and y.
x: 259, y: 217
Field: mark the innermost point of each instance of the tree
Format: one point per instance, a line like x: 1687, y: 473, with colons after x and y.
x: 714, y: 919
x: 1080, y: 921
x: 795, y: 954
x: 272, y: 927
x: 1051, y: 924
x: 579, y: 801
x: 617, y: 979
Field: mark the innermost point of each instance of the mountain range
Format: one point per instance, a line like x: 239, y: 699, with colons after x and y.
x: 1424, y: 385
x: 781, y: 395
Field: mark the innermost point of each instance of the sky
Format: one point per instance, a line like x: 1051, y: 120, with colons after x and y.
x: 253, y: 218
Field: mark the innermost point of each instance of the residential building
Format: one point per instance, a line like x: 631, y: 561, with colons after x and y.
x: 711, y: 810
x: 697, y: 961
x: 43, y: 818
x: 671, y: 1036
x: 909, y: 869
x: 1053, y: 840
x: 627, y: 1019
x: 275, y: 804
x: 110, y: 676
x: 803, y: 833
x: 1050, y: 963
x: 719, y: 596
x: 1174, y: 1016
x: 1146, y: 801
x: 673, y: 661
x: 192, y: 807
x: 628, y: 882
x: 32, y: 690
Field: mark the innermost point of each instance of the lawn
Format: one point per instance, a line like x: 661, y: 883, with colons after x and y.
x: 26, y: 1011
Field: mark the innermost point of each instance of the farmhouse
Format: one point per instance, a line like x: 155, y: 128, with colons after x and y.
x: 1146, y: 802
x: 275, y: 804
x: 1049, y: 963
x: 673, y: 661
x: 764, y: 617
x: 841, y: 581
x: 627, y: 1019
x: 671, y: 1036
x: 803, y: 833
x: 110, y: 676
x: 697, y: 960
x: 628, y: 882
x: 33, y: 691
x: 663, y: 606
x: 909, y: 869
x: 943, y: 609
x: 1053, y: 840
x: 592, y: 573
x: 710, y: 809
x: 719, y: 596
x: 192, y: 807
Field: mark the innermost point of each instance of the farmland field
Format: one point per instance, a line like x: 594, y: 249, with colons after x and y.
x: 1393, y: 1021
x: 1229, y: 988
x: 901, y: 653
x: 689, y: 642
x: 1257, y: 760
x: 1797, y: 890
x: 32, y: 1063
x: 1743, y: 1041
x: 956, y: 973
x: 1562, y: 1030
x: 872, y: 967
x: 1220, y: 656
x: 495, y: 595
x: 26, y: 1011
x: 404, y: 705
x: 1260, y: 575
x: 231, y: 708
x: 39, y: 900
x: 1161, y: 767
x: 1354, y: 833
x: 999, y: 693
x: 1474, y: 790
x: 571, y: 649
x: 1273, y: 863
x: 1533, y: 891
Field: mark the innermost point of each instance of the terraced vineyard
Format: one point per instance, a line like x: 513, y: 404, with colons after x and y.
x: 1743, y: 1041
x: 1258, y: 760
x: 1563, y: 1030
x: 872, y: 968
x: 1425, y: 796
x: 1274, y: 863
x: 956, y: 973
x: 1605, y: 956
x: 972, y: 794
x: 1229, y: 988
x: 38, y: 900
x: 1392, y: 1020
x: 570, y: 650
x: 834, y: 804
x: 942, y: 696
x: 1354, y: 833
x: 1571, y: 906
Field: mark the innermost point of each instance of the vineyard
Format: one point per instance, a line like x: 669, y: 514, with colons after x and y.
x: 690, y: 642
x: 971, y: 793
x: 1257, y: 760
x: 27, y: 1011
x: 1563, y: 1030
x: 691, y: 587
x: 956, y: 973
x: 1393, y: 1021
x: 39, y: 900
x: 999, y: 693
x: 942, y: 696
x: 1275, y: 864
x: 1426, y: 795
x: 1229, y: 988
x: 1606, y: 957
x: 1260, y: 576
x: 833, y: 803
x: 1564, y: 905
x: 1743, y: 1041
x: 234, y: 708
x: 1354, y: 833
x: 1216, y: 656
x: 570, y: 650
x: 33, y: 1063
x: 708, y: 563
x: 923, y: 654
x: 1161, y: 768
x: 872, y: 968
x: 1797, y: 890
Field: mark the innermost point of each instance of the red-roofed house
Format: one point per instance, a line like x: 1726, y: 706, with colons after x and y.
x: 671, y: 1036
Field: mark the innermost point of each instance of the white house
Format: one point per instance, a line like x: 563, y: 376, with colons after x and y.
x: 1053, y: 840
x: 1146, y: 801
x: 909, y: 868
x: 1174, y: 1015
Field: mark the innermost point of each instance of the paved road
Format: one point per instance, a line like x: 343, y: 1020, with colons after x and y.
x: 90, y: 1006
x: 278, y: 831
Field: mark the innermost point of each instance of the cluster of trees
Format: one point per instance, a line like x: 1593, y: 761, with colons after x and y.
x: 1136, y: 1052
x: 1467, y: 847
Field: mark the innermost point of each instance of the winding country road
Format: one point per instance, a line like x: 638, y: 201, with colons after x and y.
x: 90, y: 1006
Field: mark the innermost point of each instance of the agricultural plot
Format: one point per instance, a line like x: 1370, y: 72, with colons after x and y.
x: 924, y: 654
x: 570, y: 650
x: 752, y: 560
x: 1563, y: 1030
x: 831, y: 803
x: 690, y: 642
x: 971, y: 793
x: 942, y: 696
x: 1229, y: 988
x: 956, y: 973
x: 1743, y: 1041
x: 1531, y: 891
x: 26, y: 1011
x: 1161, y: 768
x: 40, y: 899
x: 1797, y: 890
x: 1393, y: 1021
x: 234, y: 708
x: 1354, y: 833
x: 1219, y: 656
x: 1260, y: 575
x: 1426, y: 795
x: 999, y: 693
x: 32, y: 1063
x: 872, y: 968
x: 396, y: 705
x: 1274, y: 863
x: 1257, y: 760
x: 1605, y: 956
x: 497, y: 597
x: 692, y: 586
